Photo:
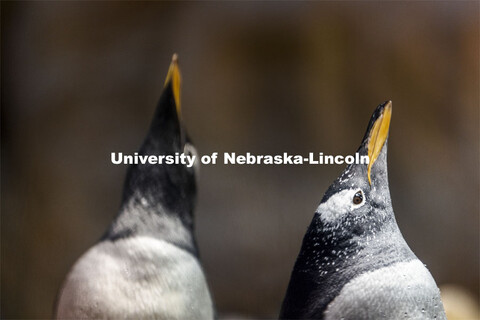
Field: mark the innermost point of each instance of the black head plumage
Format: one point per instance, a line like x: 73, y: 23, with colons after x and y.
x: 157, y: 194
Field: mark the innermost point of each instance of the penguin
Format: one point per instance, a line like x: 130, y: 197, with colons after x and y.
x: 146, y: 266
x: 354, y: 262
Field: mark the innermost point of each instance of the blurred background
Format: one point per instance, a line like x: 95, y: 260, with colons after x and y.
x: 81, y: 80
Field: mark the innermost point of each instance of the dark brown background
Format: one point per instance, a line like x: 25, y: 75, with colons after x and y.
x: 80, y: 80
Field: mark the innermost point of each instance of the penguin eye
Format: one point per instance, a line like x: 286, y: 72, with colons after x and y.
x: 358, y: 197
x: 189, y: 150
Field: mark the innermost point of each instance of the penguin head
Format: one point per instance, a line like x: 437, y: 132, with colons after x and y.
x: 171, y: 186
x: 358, y: 201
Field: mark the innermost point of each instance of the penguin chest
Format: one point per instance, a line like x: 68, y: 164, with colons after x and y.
x: 404, y: 290
x: 138, y: 277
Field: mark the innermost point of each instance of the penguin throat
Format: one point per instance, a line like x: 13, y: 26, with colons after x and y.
x: 140, y: 217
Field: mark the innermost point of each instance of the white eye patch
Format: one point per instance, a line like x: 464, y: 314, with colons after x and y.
x: 190, y: 150
x: 339, y: 205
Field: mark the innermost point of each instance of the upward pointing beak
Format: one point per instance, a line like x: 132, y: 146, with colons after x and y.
x: 174, y: 78
x: 377, y: 133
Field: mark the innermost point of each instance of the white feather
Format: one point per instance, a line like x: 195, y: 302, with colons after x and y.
x: 137, y: 277
x: 404, y: 290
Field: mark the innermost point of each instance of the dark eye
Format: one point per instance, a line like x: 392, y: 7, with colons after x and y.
x: 358, y: 197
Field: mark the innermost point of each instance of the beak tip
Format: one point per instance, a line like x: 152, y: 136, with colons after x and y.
x: 388, y: 104
x: 175, y: 58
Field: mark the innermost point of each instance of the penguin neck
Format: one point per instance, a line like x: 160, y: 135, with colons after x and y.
x: 319, y: 272
x: 328, y: 249
x: 141, y: 215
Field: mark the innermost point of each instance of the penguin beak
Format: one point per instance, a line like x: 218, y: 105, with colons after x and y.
x: 175, y: 79
x: 377, y: 134
x: 166, y: 133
